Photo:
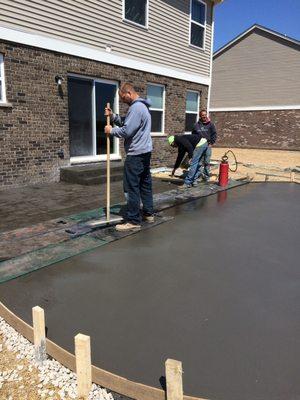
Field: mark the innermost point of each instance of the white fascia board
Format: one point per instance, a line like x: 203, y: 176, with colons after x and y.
x: 82, y: 51
x: 256, y: 108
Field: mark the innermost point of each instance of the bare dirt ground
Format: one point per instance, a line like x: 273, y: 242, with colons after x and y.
x: 270, y: 158
x: 254, y: 164
x: 261, y: 165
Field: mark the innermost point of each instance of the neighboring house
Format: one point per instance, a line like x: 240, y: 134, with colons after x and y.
x: 61, y: 61
x: 255, y: 96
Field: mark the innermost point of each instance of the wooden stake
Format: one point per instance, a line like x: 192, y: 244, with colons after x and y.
x: 83, y: 365
x: 108, y: 170
x: 174, y: 380
x: 38, y: 320
x: 292, y: 176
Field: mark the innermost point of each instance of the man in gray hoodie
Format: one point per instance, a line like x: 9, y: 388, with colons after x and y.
x: 135, y: 129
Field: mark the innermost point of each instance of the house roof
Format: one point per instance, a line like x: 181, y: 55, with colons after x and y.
x: 251, y: 29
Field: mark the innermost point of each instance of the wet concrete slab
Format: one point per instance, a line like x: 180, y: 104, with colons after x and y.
x: 217, y: 288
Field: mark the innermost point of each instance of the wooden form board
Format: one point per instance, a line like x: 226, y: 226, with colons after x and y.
x: 166, y: 176
x: 101, y: 377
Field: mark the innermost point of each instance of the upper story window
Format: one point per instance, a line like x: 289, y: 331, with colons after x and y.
x: 191, y: 110
x: 2, y: 82
x: 156, y: 93
x: 136, y: 12
x: 197, y: 23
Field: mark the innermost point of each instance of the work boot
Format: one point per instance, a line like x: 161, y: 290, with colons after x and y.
x: 127, y: 226
x: 148, y: 218
x: 186, y: 186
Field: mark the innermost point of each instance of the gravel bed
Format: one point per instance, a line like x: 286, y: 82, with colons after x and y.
x: 20, y: 373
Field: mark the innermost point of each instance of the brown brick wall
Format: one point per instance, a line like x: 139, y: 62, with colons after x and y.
x: 36, y: 126
x: 259, y: 129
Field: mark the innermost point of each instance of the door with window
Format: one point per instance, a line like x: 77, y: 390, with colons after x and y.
x: 87, y: 100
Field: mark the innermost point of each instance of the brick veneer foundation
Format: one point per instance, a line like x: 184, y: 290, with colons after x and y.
x: 272, y: 129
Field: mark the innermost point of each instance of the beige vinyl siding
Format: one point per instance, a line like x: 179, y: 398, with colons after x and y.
x: 98, y: 23
x: 259, y: 70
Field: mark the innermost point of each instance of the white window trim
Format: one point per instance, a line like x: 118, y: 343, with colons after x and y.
x: 134, y: 23
x: 2, y: 79
x: 159, y: 109
x: 197, y: 23
x: 198, y: 106
x: 98, y: 157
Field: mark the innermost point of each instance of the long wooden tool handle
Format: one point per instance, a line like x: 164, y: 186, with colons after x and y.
x: 107, y: 170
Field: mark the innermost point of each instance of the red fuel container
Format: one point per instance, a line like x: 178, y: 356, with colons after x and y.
x: 223, y: 173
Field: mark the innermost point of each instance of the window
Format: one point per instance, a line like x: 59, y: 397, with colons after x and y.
x: 136, y: 11
x: 191, y: 110
x: 197, y: 23
x: 2, y: 82
x: 156, y: 93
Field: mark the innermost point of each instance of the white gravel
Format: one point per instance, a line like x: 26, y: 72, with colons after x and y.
x: 51, y: 372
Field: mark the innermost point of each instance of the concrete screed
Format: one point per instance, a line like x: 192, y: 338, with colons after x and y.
x: 217, y: 288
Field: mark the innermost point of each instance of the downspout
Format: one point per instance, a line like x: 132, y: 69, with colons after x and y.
x: 211, y: 55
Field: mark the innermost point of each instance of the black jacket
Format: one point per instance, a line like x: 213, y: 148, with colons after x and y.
x: 185, y: 144
x: 207, y: 131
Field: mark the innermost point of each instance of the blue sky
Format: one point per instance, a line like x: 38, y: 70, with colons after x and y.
x: 232, y: 17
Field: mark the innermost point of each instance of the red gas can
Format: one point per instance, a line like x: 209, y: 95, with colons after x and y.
x: 223, y: 172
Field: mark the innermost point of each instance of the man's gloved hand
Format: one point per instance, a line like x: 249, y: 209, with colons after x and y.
x: 107, y: 130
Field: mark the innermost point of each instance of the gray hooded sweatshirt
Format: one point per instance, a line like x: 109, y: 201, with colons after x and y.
x: 135, y: 128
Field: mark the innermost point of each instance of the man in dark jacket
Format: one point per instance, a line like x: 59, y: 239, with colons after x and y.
x: 185, y: 144
x: 206, y: 129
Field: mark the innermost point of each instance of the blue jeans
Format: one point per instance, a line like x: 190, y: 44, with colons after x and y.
x: 138, y: 186
x: 205, y: 167
x: 194, y: 170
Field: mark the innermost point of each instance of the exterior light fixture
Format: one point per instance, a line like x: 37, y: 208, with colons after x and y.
x: 58, y: 80
x: 108, y: 48
x: 61, y: 153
